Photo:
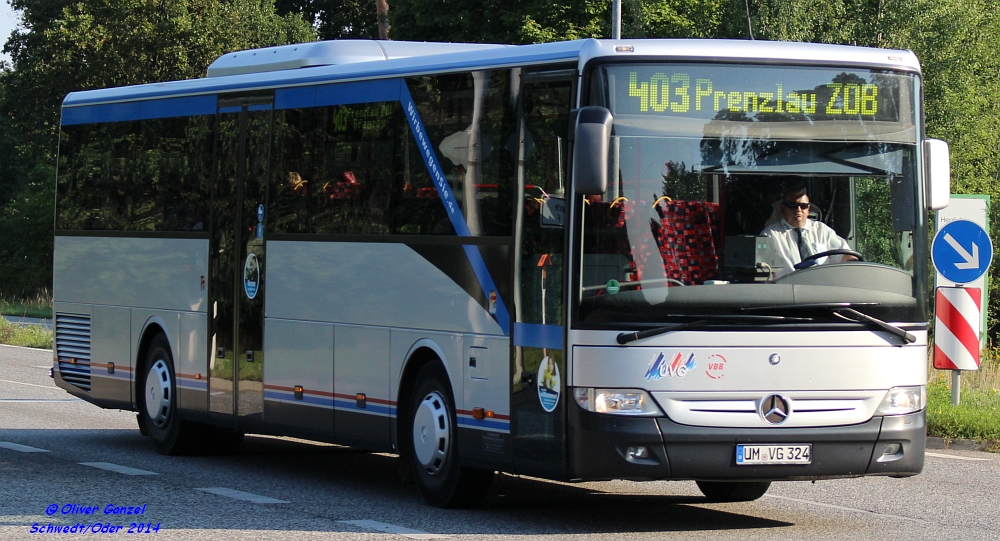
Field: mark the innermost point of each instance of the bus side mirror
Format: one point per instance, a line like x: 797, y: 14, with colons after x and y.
x: 937, y: 172
x: 592, y: 138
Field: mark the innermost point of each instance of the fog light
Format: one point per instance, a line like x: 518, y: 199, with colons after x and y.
x: 891, y: 452
x: 892, y: 449
x: 637, y: 452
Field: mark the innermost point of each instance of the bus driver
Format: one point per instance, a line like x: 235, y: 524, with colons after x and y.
x: 796, y: 237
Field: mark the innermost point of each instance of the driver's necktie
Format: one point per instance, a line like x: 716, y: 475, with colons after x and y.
x: 802, y: 243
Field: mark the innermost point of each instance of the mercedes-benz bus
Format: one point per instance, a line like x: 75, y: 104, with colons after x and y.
x: 554, y: 260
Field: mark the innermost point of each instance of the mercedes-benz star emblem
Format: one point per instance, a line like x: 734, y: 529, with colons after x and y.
x: 774, y: 358
x: 775, y: 409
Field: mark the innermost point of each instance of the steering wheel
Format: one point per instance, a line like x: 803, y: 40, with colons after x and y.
x: 809, y: 261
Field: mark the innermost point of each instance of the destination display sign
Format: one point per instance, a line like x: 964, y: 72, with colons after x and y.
x: 756, y: 93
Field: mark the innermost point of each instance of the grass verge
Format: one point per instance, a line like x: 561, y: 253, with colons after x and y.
x: 32, y: 336
x: 39, y: 306
x: 977, y: 417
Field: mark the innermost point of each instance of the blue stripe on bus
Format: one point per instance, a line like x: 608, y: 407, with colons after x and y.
x: 144, y: 110
x: 200, y: 105
x: 306, y: 399
x: 533, y: 335
x: 197, y: 385
x: 495, y: 424
x: 372, y: 408
x: 112, y: 112
x: 451, y: 204
x: 337, y: 94
x: 231, y: 109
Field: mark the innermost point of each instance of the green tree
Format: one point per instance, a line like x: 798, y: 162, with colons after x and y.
x: 537, y: 21
x: 335, y: 19
x: 69, y: 46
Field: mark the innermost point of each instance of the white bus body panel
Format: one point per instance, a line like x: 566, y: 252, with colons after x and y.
x: 163, y: 274
x: 299, y: 353
x: 124, y: 285
x: 390, y: 285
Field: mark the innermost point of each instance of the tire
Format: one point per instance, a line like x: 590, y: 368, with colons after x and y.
x: 170, y: 435
x: 432, y: 445
x: 733, y: 491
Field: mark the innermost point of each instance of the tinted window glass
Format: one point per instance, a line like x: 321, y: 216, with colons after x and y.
x: 148, y: 175
x: 470, y: 123
x: 335, y: 167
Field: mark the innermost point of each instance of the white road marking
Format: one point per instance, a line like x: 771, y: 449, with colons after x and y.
x: 393, y: 529
x: 842, y: 508
x: 240, y: 495
x: 955, y: 457
x: 53, y: 387
x: 117, y: 468
x: 22, y: 448
x: 41, y: 400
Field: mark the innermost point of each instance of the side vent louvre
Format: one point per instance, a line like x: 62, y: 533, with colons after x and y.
x: 73, y: 349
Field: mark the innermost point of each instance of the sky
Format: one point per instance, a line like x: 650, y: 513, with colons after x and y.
x: 7, y: 22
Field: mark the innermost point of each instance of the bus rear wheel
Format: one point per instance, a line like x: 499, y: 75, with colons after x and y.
x: 733, y: 491
x: 159, y: 405
x: 433, y: 447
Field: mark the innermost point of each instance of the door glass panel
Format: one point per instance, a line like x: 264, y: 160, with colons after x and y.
x: 221, y: 269
x: 539, y: 399
x: 237, y: 264
x: 250, y: 277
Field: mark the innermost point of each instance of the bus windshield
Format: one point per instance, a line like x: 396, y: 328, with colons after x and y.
x: 737, y: 189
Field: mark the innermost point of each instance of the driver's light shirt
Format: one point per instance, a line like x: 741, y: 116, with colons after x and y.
x: 816, y: 237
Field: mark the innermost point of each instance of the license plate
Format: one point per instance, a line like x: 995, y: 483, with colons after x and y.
x: 787, y: 453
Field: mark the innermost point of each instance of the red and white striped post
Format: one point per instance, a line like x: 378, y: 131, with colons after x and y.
x: 957, y: 318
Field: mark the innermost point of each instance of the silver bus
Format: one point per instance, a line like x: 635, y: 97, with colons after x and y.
x: 568, y: 260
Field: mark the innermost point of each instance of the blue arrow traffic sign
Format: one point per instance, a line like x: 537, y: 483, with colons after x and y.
x: 962, y: 251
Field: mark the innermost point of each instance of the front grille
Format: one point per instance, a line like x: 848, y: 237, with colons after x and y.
x: 73, y: 349
x: 742, y: 409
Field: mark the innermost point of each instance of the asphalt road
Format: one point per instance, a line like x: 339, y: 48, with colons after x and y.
x: 289, y: 489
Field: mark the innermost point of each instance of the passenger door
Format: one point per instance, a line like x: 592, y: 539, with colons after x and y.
x: 538, y: 402
x: 236, y: 266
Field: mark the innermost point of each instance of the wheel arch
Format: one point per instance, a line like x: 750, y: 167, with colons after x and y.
x: 151, y: 328
x: 421, y: 353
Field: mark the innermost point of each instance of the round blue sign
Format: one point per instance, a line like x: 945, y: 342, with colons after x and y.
x: 962, y: 251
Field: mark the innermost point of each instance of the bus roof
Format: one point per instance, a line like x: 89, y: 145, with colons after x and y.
x: 352, y: 60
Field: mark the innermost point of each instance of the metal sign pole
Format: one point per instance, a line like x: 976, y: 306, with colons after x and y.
x: 616, y: 19
x: 956, y: 387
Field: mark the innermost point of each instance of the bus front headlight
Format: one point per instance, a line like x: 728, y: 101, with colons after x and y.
x: 903, y: 400
x: 634, y: 402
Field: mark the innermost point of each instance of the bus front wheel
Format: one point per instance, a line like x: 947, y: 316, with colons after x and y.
x: 738, y: 491
x: 433, y: 447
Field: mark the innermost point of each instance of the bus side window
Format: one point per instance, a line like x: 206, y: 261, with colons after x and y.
x: 469, y: 123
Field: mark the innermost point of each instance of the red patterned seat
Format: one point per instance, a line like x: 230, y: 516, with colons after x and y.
x: 686, y: 238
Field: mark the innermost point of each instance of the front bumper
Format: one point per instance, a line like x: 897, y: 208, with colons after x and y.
x: 599, y: 449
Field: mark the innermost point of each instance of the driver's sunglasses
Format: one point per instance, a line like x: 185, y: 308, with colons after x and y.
x: 793, y: 205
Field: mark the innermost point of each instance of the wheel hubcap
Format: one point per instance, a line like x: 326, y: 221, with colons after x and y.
x: 158, y: 393
x: 432, y: 433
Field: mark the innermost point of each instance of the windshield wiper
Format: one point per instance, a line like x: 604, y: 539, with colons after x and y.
x: 700, y: 320
x: 837, y: 308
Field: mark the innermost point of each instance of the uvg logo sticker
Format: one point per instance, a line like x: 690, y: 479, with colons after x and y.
x: 659, y: 367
